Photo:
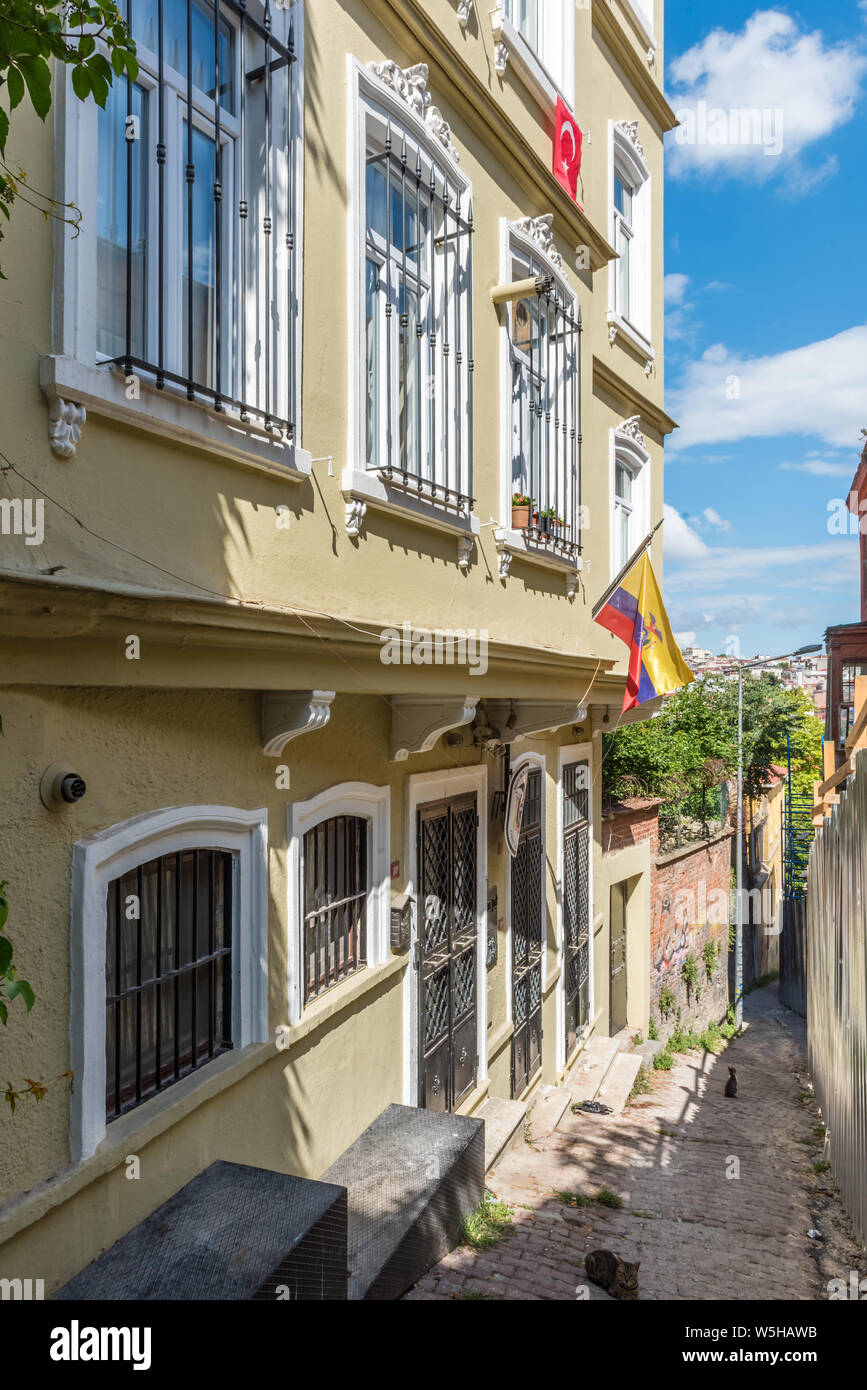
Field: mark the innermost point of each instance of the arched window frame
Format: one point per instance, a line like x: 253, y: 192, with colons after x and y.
x: 103, y: 857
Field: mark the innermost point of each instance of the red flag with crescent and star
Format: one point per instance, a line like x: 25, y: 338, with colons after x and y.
x: 567, y: 149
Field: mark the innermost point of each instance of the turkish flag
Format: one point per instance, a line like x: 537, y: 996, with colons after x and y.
x: 567, y: 149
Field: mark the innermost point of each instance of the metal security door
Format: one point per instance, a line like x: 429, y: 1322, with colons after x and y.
x: 527, y: 941
x: 618, y: 958
x: 576, y: 900
x: 448, y: 935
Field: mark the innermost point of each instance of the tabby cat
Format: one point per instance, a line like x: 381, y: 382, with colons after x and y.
x: 613, y: 1274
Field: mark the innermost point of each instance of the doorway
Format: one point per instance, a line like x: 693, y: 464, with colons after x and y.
x: 617, y: 993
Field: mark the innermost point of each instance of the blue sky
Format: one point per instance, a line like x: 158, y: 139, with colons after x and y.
x: 766, y: 319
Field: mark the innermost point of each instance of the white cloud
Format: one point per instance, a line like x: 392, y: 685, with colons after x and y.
x: 833, y: 564
x: 714, y: 519
x: 681, y: 542
x: 685, y: 639
x: 674, y: 288
x: 817, y: 389
x: 752, y: 101
x: 821, y: 468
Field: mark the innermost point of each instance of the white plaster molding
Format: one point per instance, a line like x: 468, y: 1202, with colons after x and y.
x: 465, y: 551
x: 504, y: 563
x: 65, y: 423
x: 356, y: 511
x: 501, y: 57
x: 417, y: 722
x: 630, y: 130
x: 632, y: 429
x: 619, y: 328
x: 541, y: 231
x: 572, y: 583
x: 288, y: 713
x: 532, y: 717
x: 465, y: 9
x: 612, y: 333
x: 410, y: 84
x: 105, y: 856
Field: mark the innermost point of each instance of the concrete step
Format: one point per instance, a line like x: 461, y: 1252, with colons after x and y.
x: 625, y: 1039
x: 504, y: 1123
x: 619, y: 1081
x: 549, y: 1109
x: 591, y: 1068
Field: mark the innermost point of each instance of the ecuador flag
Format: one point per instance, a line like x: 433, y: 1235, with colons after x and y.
x: 634, y: 613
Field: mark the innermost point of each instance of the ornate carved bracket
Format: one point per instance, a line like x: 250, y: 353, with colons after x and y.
x: 356, y: 511
x: 531, y: 717
x: 504, y: 563
x: 465, y: 551
x: 288, y: 713
x: 65, y: 423
x: 501, y: 48
x: 541, y: 230
x: 418, y: 721
x: 410, y: 84
x: 465, y: 9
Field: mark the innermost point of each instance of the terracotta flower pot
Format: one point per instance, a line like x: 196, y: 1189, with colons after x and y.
x: 520, y: 518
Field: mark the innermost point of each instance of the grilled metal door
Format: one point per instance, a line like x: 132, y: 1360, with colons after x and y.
x: 527, y: 941
x: 576, y: 900
x: 448, y: 936
x: 618, y: 958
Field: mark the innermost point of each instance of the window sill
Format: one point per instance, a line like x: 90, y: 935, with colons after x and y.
x: 528, y: 67
x: 68, y: 384
x: 517, y: 543
x: 362, y: 489
x: 340, y: 998
x: 620, y: 328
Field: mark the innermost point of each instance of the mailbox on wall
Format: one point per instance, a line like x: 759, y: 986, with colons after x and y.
x: 401, y: 922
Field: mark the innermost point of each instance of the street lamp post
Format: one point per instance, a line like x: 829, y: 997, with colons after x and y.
x: 739, y: 918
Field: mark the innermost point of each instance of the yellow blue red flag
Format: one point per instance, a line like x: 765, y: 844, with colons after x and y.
x: 634, y: 612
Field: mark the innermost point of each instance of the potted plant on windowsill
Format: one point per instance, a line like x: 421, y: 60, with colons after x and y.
x: 521, y: 511
x: 546, y: 521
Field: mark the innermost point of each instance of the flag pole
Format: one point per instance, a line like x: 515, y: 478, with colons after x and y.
x: 633, y: 559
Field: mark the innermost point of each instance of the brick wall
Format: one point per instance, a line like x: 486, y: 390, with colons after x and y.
x: 689, y: 906
x: 690, y: 897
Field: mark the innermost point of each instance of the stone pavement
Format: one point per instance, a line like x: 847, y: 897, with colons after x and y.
x: 699, y: 1234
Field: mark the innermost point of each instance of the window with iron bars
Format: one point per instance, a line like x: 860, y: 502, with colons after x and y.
x: 418, y: 323
x: 545, y: 364
x: 336, y: 885
x: 168, y: 972
x: 196, y: 217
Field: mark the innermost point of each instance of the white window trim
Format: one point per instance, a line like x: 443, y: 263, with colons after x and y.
x: 624, y: 158
x: 624, y: 449
x: 536, y: 70
x: 105, y: 856
x: 357, y: 482
x: 507, y: 540
x: 572, y: 753
x: 70, y: 371
x: 421, y: 788
x: 534, y: 760
x: 641, y: 14
x: 372, y: 804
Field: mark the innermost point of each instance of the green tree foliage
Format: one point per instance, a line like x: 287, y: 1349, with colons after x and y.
x: 692, y: 743
x: 10, y: 986
x: 89, y: 36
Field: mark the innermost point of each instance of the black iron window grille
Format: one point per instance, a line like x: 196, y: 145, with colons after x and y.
x: 336, y: 882
x: 418, y: 281
x: 545, y: 360
x: 527, y: 939
x: 576, y: 900
x: 168, y: 973
x: 196, y: 258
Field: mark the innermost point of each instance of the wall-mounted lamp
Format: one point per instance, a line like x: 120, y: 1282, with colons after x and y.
x: 61, y: 786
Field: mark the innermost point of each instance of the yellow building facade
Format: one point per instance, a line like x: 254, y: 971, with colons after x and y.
x: 275, y: 643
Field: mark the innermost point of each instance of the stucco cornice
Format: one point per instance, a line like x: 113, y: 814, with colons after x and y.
x: 480, y: 109
x: 633, y: 64
x: 52, y: 625
x: 634, y: 402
